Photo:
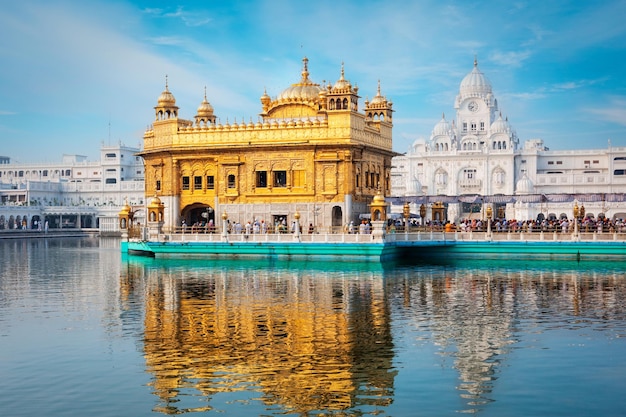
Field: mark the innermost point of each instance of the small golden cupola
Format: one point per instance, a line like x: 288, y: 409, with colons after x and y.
x: 265, y: 101
x: 166, y: 105
x: 342, y: 96
x: 125, y: 216
x: 205, y: 115
x: 379, y: 109
x: 155, y: 210
x: 378, y: 208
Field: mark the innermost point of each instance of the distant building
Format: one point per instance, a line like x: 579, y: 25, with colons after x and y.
x: 475, y: 161
x: 73, y: 192
x: 312, y: 153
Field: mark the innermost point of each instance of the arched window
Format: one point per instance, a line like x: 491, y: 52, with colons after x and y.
x: 231, y: 181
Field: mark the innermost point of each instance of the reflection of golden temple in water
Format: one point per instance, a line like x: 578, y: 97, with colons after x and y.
x: 310, y: 340
x: 292, y: 338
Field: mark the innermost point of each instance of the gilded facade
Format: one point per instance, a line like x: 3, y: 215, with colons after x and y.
x: 311, y: 152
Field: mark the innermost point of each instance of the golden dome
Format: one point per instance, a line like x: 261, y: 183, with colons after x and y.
x: 378, y: 98
x: 166, y: 98
x: 378, y: 198
x: 305, y: 90
x: 126, y: 209
x: 155, y: 202
x: 342, y: 84
x: 205, y: 108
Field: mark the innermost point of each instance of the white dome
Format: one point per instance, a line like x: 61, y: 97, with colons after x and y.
x: 475, y: 84
x: 442, y: 127
x: 500, y: 126
x: 525, y: 186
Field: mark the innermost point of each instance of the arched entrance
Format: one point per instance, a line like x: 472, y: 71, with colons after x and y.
x: 337, y: 217
x: 199, y: 215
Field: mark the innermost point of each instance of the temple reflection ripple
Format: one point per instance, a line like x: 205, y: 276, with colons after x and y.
x: 318, y: 338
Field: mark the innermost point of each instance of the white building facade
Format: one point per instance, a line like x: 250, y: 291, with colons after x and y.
x: 475, y: 161
x: 73, y: 193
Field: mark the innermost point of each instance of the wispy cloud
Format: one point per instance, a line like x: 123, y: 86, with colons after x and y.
x: 7, y: 113
x: 576, y: 84
x: 190, y: 19
x: 511, y: 58
x: 614, y: 111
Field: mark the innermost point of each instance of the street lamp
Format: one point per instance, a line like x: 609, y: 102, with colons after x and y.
x: 582, y: 213
x: 576, y: 214
x: 297, y: 225
x: 489, y: 215
x: 422, y: 213
x: 224, y: 228
x: 406, y: 211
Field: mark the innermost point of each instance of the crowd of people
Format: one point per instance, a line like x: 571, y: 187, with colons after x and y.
x: 563, y: 225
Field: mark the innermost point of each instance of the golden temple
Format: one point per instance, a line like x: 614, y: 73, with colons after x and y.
x: 311, y: 155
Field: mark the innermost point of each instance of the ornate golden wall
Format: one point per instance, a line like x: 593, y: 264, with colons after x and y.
x: 300, y: 151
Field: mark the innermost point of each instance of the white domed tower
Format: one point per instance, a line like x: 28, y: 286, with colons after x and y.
x: 476, y: 109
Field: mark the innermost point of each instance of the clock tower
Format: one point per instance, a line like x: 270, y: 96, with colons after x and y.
x: 476, y: 108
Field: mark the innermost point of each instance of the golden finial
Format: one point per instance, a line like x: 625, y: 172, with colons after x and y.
x: 305, y: 68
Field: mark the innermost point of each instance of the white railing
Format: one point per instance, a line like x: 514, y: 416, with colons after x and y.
x: 426, y: 235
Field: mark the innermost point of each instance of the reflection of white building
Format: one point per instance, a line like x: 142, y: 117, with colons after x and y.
x: 74, y: 192
x: 476, y: 158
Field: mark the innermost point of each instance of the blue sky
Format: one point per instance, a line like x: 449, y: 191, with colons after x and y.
x: 76, y: 74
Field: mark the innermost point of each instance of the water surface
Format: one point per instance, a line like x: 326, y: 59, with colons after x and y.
x: 87, y: 331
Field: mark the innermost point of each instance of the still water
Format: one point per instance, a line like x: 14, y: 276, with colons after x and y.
x: 87, y: 331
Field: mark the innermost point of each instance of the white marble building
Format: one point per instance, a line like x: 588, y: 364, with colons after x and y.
x: 74, y: 192
x: 475, y: 160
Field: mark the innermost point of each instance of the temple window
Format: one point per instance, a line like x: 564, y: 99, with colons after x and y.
x: 261, y: 179
x: 280, y: 178
x: 197, y: 182
x: 210, y: 182
x: 185, y: 183
x: 231, y: 181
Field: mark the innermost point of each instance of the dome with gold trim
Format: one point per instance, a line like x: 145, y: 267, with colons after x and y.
x: 166, y: 98
x: 126, y: 209
x: 378, y: 199
x: 155, y: 202
x: 305, y: 90
x: 205, y: 108
x: 378, y: 99
x: 342, y: 84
